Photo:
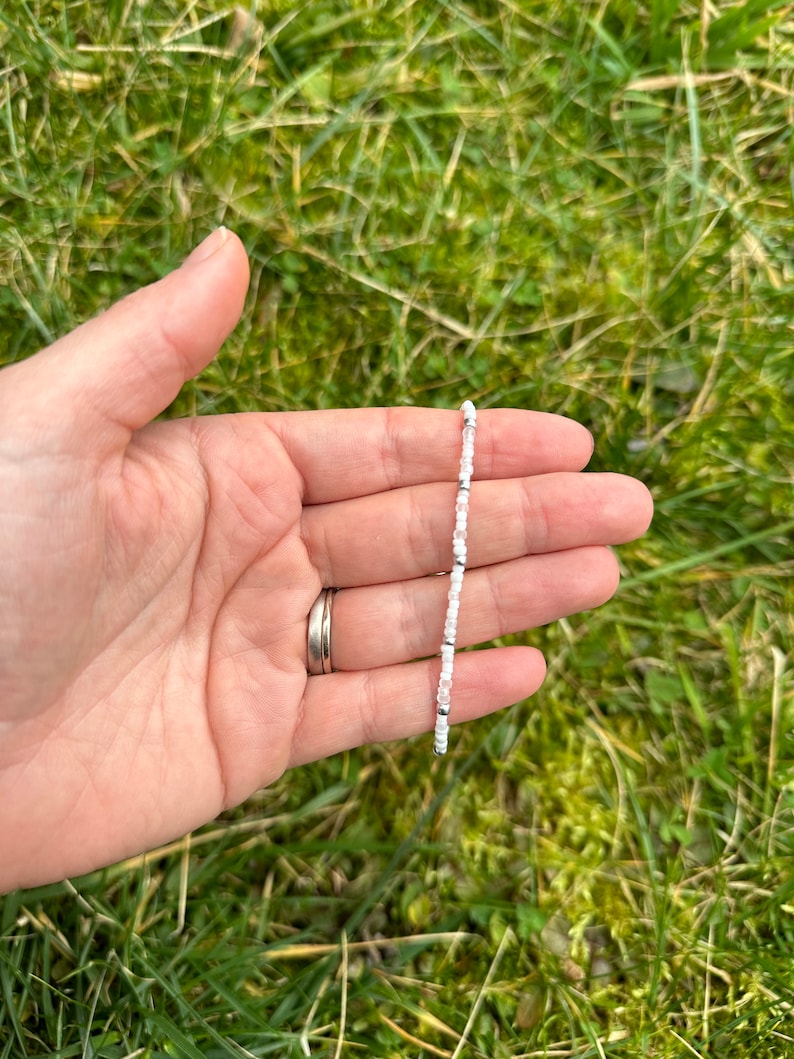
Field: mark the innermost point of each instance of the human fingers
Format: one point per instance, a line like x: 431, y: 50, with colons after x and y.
x: 406, y: 533
x: 348, y: 453
x: 345, y: 710
x: 89, y: 390
x: 387, y: 624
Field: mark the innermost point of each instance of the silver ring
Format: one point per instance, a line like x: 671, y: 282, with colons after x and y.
x: 319, y: 641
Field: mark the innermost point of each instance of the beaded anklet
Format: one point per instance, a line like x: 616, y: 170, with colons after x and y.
x: 444, y: 697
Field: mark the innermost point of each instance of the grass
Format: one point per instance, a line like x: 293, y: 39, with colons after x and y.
x: 582, y: 207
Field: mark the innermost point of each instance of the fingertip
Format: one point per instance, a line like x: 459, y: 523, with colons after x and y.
x: 535, y: 670
x: 206, y: 298
x: 496, y: 677
x: 224, y: 243
x: 610, y: 576
x: 589, y: 437
x: 599, y: 571
x: 626, y: 506
x: 575, y: 443
x: 539, y: 668
x: 569, y: 444
x: 645, y: 507
x: 207, y: 247
x: 585, y: 441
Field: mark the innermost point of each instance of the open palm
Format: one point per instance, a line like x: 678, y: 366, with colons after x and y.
x: 156, y: 578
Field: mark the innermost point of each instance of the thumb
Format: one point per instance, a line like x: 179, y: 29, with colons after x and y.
x: 115, y: 373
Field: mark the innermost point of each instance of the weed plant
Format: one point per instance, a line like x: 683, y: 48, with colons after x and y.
x: 574, y: 206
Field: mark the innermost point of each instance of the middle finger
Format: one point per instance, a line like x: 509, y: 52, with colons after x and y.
x: 407, y: 533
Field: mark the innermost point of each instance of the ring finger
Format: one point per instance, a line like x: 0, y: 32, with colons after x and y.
x: 382, y: 625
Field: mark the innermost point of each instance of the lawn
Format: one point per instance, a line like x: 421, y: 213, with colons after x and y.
x: 573, y: 206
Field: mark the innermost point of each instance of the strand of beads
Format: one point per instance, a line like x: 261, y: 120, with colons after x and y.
x: 444, y: 695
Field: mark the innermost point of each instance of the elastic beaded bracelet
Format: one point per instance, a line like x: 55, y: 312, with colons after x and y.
x: 444, y: 694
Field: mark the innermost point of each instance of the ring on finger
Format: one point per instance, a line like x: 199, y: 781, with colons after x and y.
x: 319, y: 636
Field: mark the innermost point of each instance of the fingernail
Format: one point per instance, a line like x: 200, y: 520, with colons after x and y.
x: 207, y: 248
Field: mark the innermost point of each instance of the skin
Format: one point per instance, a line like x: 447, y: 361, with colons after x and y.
x: 156, y: 578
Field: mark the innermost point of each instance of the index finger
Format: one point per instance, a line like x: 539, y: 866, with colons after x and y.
x: 356, y: 452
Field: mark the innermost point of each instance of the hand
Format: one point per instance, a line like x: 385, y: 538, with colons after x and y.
x: 156, y: 578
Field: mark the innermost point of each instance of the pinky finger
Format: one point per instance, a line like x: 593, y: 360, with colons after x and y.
x: 346, y: 710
